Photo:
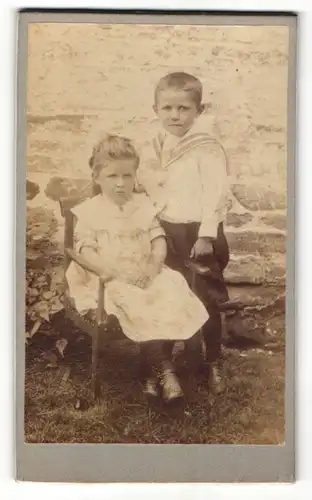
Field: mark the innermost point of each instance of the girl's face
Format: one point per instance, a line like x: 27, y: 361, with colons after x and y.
x: 117, y: 179
x: 176, y: 110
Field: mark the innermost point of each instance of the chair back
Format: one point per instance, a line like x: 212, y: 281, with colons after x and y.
x: 66, y: 204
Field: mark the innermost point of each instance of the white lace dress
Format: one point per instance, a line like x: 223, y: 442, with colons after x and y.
x: 167, y: 309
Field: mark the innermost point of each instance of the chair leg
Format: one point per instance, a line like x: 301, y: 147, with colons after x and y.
x: 96, y: 385
x: 224, y: 329
x: 100, y: 315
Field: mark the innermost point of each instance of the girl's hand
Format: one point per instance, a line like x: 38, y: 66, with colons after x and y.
x: 202, y: 248
x: 154, y: 264
x: 152, y: 270
x: 143, y: 281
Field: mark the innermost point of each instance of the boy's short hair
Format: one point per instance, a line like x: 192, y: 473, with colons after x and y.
x: 181, y: 81
x: 111, y: 147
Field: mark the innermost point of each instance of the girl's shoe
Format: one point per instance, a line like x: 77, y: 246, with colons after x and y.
x: 171, y: 389
x: 150, y: 388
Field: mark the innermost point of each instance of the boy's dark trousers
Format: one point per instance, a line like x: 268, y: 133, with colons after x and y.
x: 211, y: 288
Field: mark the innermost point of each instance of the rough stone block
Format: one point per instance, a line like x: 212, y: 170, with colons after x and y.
x: 275, y: 220
x: 245, y: 269
x: 238, y: 220
x: 40, y: 163
x: 256, y: 242
x: 255, y: 270
x: 59, y: 187
x: 259, y: 196
x: 275, y: 269
x: 242, y: 332
x: 32, y: 189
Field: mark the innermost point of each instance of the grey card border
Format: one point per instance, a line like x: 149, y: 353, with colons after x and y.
x: 102, y: 463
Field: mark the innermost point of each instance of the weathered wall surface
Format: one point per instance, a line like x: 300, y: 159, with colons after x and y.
x: 86, y: 78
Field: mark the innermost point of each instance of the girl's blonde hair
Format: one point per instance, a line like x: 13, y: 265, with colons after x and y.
x: 111, y: 147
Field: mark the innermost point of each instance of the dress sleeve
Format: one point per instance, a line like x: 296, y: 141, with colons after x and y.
x: 85, y: 237
x: 214, y: 182
x: 155, y: 229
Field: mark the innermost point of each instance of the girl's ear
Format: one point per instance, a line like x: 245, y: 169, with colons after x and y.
x: 138, y: 188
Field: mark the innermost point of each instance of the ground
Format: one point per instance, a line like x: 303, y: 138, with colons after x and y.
x: 59, y: 409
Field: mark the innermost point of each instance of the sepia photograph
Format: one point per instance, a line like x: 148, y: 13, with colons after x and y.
x: 156, y: 229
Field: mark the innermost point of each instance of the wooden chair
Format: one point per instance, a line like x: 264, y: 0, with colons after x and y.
x: 99, y: 326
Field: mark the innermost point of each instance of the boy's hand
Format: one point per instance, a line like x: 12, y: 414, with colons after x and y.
x: 202, y: 248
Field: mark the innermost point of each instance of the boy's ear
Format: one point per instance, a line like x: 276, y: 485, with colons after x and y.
x: 206, y: 106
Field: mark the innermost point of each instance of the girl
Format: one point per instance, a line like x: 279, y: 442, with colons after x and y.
x: 118, y: 232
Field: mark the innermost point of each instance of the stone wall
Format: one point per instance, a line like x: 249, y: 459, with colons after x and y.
x: 84, y: 79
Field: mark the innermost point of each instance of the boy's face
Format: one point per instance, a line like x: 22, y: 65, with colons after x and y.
x: 117, y: 179
x: 176, y: 110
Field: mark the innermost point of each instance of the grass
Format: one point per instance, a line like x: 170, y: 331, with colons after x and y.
x: 60, y: 410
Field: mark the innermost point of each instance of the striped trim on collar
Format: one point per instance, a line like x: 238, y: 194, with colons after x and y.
x: 190, y: 142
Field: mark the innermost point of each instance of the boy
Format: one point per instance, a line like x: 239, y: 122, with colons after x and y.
x: 184, y: 173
